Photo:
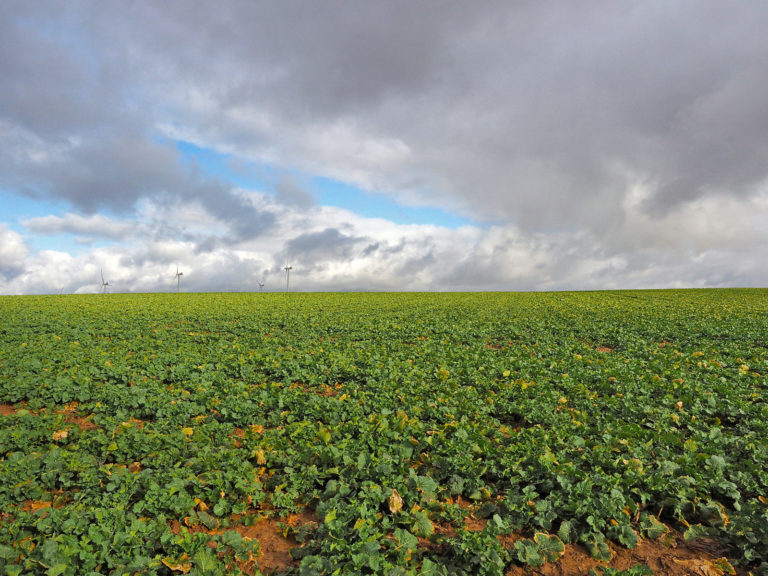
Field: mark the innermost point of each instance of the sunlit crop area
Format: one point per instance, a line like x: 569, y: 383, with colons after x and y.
x: 382, y: 433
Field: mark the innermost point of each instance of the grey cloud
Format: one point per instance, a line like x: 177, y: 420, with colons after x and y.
x: 329, y: 244
x: 94, y: 225
x: 528, y: 107
x: 288, y: 192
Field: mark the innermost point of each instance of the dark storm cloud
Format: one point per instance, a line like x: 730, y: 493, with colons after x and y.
x: 542, y: 111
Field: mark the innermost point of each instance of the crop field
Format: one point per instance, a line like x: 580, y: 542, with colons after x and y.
x: 506, y: 434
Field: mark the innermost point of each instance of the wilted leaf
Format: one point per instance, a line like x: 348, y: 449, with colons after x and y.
x: 395, y: 502
x: 718, y: 567
x: 258, y: 453
x: 208, y: 521
x: 178, y: 565
x: 60, y: 434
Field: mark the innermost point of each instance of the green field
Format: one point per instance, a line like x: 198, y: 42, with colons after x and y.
x: 379, y: 433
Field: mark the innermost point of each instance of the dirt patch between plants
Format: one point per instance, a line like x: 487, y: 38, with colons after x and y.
x: 69, y: 411
x: 603, y: 349
x: 274, y: 546
x: 7, y: 410
x: 73, y: 417
x: 670, y: 555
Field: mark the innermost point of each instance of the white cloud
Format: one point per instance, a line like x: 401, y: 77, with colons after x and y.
x: 13, y: 252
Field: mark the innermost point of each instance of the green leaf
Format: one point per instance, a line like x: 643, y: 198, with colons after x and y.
x: 550, y: 546
x: 323, y: 433
x: 221, y: 508
x: 422, y: 526
x: 627, y: 536
x: 596, y: 545
x: 528, y: 553
x: 232, y: 538
x: 56, y: 569
x: 406, y: 540
x: 696, y: 531
x: 651, y: 527
x: 206, y: 563
x: 566, y: 532
x: 208, y: 521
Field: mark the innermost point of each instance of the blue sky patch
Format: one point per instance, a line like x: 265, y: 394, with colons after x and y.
x: 325, y: 191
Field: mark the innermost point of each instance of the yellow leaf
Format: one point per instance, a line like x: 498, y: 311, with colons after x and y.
x: 178, y: 565
x: 718, y: 567
x: 258, y: 453
x: 60, y: 434
x: 187, y: 431
x: 395, y: 502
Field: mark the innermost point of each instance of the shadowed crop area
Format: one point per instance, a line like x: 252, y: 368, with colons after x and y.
x: 599, y: 433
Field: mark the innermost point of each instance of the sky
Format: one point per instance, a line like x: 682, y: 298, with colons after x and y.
x: 383, y: 145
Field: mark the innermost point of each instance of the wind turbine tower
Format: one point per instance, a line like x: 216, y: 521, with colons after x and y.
x: 287, y: 276
x: 104, y: 283
x: 178, y: 279
x: 261, y: 285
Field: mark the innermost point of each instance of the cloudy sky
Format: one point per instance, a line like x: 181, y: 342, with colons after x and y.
x: 398, y: 145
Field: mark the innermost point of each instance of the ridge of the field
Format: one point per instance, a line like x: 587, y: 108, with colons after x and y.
x: 443, y: 433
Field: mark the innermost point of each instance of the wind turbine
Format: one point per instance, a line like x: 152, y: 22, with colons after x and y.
x: 261, y: 285
x: 104, y: 283
x: 287, y: 276
x: 178, y: 279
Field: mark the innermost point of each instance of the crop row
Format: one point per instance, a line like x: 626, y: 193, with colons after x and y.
x: 150, y: 433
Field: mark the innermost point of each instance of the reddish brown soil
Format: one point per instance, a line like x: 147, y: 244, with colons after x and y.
x: 68, y: 410
x: 73, y: 417
x: 274, y: 547
x: 670, y: 555
x: 323, y: 390
x: 679, y: 558
x: 603, y: 349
